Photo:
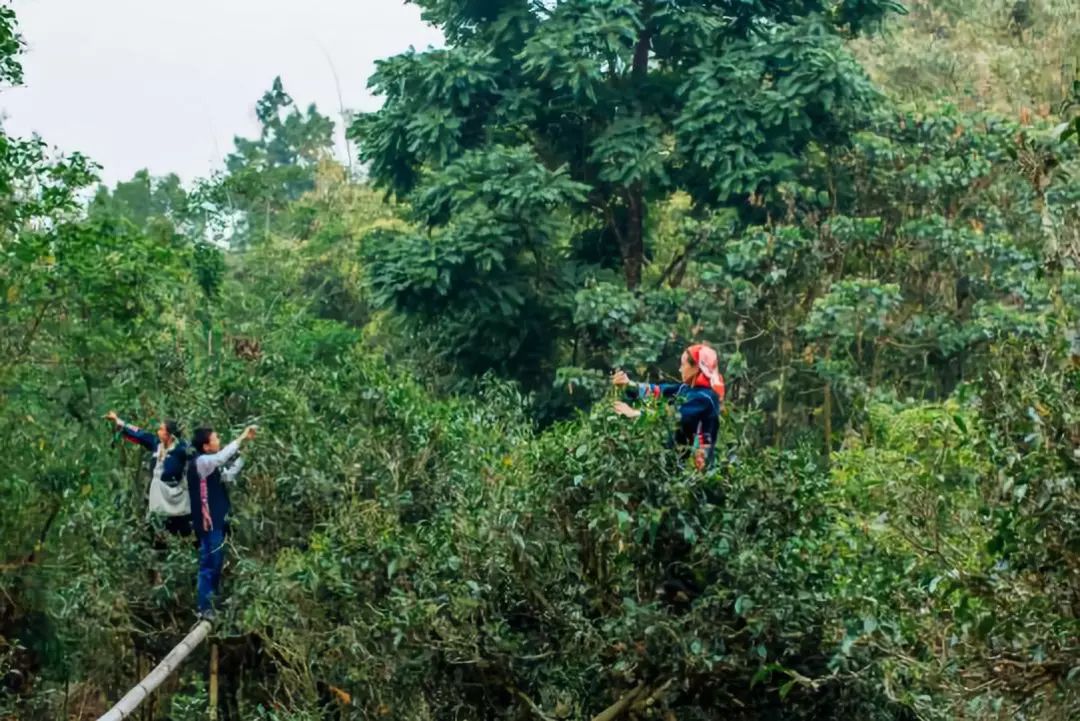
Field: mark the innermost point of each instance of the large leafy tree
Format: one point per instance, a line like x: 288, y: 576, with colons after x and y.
x: 590, y: 120
x: 633, y: 98
x: 33, y: 185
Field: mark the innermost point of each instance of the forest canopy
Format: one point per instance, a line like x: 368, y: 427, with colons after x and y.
x: 871, y: 211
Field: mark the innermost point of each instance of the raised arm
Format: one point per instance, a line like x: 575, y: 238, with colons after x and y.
x: 209, y: 462
x: 652, y: 390
x: 636, y: 391
x: 134, y: 434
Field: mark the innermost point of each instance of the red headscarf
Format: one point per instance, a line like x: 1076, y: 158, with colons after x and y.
x: 708, y: 365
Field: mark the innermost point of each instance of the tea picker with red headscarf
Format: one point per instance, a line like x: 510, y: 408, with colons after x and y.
x: 700, y: 397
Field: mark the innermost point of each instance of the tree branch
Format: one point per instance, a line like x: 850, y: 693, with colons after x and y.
x: 539, y: 712
x: 620, y: 707
x: 680, y: 258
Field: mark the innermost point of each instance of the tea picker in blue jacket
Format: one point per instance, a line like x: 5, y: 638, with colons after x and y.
x: 700, y: 400
x: 207, y: 476
x: 168, y: 493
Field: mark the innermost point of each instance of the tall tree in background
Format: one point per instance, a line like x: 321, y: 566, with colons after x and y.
x: 81, y: 303
x: 539, y: 148
x: 37, y: 194
x: 634, y: 98
x: 264, y: 174
x: 157, y: 206
x: 144, y: 197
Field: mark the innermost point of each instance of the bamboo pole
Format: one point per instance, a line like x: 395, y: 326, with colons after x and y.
x: 126, y: 706
x: 140, y: 671
x: 213, y: 681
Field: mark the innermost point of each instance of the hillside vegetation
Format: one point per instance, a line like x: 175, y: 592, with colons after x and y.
x: 874, y: 217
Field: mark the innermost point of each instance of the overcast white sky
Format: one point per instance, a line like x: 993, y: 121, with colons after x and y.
x: 166, y: 84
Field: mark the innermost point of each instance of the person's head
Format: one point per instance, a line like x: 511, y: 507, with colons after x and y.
x: 700, y: 366
x: 688, y: 368
x: 205, y: 440
x: 168, y: 431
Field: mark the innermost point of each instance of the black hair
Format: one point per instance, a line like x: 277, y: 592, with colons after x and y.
x: 200, y: 438
x: 173, y: 428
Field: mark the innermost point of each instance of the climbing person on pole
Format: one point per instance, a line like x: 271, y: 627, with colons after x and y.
x: 168, y: 493
x: 700, y: 397
x: 210, y: 507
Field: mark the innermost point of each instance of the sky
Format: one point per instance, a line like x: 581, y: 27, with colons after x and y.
x: 167, y: 84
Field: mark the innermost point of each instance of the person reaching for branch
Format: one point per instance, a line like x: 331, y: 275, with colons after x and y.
x: 208, y: 473
x: 700, y: 397
x: 167, y: 495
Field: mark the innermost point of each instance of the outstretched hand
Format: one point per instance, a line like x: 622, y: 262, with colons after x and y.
x: 620, y: 378
x: 249, y: 433
x: 624, y: 409
x: 111, y: 417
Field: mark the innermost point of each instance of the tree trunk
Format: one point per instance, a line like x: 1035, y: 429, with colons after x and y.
x: 780, y: 409
x: 785, y: 352
x: 633, y: 245
x: 633, y: 250
x: 827, y: 414
x: 641, y: 54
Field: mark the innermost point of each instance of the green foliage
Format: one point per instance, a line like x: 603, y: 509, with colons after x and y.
x: 265, y: 174
x: 209, y: 267
x: 943, y: 498
x: 1070, y: 105
x: 11, y: 44
x: 635, y: 102
x: 1016, y: 57
x: 480, y: 283
x: 744, y: 132
x: 35, y: 186
x: 891, y: 529
x: 143, y: 200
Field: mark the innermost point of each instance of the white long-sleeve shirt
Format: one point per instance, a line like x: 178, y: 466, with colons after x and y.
x: 209, y: 462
